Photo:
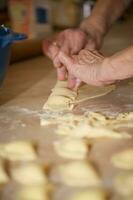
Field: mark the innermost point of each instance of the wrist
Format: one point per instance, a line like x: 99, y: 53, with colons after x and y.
x: 94, y: 29
x: 94, y: 25
x: 108, y: 71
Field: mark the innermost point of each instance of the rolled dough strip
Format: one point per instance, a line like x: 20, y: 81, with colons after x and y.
x: 123, y: 160
x: 71, y: 148
x: 18, y: 151
x: 77, y: 173
x: 29, y: 174
x: 90, y: 194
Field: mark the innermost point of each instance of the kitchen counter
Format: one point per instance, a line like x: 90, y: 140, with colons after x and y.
x: 26, y: 88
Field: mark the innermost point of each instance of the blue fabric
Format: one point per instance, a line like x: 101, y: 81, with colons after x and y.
x: 7, y: 37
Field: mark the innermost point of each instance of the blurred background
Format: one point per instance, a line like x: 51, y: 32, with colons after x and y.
x: 42, y: 18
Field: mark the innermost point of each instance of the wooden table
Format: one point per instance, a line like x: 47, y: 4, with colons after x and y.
x: 22, y: 96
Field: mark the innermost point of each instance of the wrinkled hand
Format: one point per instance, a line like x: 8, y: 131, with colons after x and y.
x: 86, y: 66
x: 70, y: 41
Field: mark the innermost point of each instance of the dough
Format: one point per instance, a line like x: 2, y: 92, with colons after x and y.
x: 32, y: 193
x: 3, y: 175
x: 90, y: 194
x: 123, y: 160
x: 77, y: 173
x: 29, y: 174
x: 59, y: 103
x: 18, y: 151
x: 71, y: 148
x: 64, y: 92
x: 63, y: 98
x: 125, y: 116
x: 57, y: 118
x: 84, y: 130
x: 123, y: 183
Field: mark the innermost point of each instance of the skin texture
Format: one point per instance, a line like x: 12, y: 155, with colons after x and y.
x: 101, y: 71
x: 89, y: 36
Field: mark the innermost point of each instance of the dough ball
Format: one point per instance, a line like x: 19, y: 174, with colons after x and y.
x: 90, y: 194
x: 71, y: 148
x: 77, y: 173
x: 32, y: 193
x: 28, y: 174
x: 124, y: 159
x: 18, y: 151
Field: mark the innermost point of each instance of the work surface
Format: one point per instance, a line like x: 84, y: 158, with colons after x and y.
x: 22, y: 96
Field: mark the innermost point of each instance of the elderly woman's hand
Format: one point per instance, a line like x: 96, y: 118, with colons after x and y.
x: 70, y: 41
x: 92, y: 68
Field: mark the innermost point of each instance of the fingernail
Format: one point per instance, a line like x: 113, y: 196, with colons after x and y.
x: 78, y: 83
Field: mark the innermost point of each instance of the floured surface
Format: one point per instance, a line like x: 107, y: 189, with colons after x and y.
x: 87, y: 92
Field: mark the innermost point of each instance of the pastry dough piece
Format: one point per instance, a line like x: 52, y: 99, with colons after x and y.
x: 63, y: 98
x: 78, y: 173
x: 90, y: 194
x: 71, y: 148
x: 123, y: 183
x: 18, y: 151
x: 66, y: 92
x: 32, y: 193
x: 59, y: 103
x: 124, y: 159
x: 3, y: 175
x: 29, y: 174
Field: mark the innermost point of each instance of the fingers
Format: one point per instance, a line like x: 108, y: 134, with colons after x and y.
x: 65, y: 49
x: 78, y: 83
x: 71, y: 81
x: 66, y: 60
x: 61, y: 73
x: 50, y: 49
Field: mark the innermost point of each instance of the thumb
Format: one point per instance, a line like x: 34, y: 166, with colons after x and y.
x: 49, y: 49
x: 66, y: 60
